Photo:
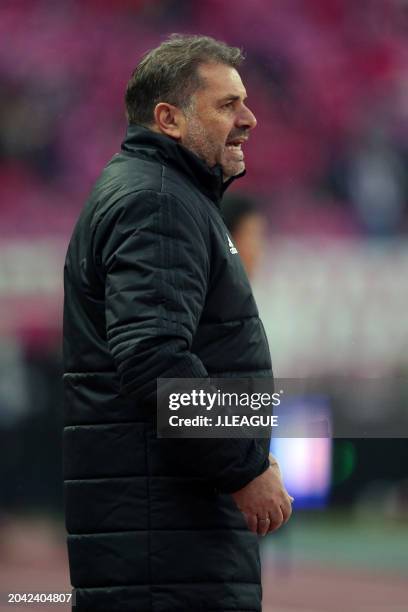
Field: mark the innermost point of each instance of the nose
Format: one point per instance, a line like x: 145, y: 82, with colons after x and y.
x: 247, y: 119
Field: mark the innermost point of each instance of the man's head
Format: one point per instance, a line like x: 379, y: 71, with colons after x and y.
x: 189, y: 89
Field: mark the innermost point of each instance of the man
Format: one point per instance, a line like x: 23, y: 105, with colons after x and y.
x: 153, y: 289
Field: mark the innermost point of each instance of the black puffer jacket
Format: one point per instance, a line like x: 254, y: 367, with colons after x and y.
x: 154, y: 289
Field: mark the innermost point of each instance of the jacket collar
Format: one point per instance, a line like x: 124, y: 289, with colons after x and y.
x: 148, y: 144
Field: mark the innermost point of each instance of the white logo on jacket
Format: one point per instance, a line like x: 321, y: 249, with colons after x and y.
x: 232, y: 249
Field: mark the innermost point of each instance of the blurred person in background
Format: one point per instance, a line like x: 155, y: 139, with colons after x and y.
x: 153, y: 285
x: 247, y: 226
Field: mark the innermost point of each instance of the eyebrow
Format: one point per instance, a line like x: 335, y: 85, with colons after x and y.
x: 231, y: 98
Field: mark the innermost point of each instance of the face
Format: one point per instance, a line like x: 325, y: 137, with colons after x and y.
x: 218, y: 123
x: 249, y: 238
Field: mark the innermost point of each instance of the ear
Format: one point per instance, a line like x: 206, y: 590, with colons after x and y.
x: 169, y: 119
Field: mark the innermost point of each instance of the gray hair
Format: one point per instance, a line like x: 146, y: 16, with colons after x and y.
x: 169, y: 74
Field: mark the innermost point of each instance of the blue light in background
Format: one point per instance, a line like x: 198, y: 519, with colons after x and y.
x: 305, y: 461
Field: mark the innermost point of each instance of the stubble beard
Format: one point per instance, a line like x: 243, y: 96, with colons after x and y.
x: 198, y: 142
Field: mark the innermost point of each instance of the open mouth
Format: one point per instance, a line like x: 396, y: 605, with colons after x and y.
x: 235, y: 145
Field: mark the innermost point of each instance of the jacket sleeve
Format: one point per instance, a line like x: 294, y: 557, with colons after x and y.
x: 156, y: 266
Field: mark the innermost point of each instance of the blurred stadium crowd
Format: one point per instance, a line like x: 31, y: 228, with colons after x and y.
x: 328, y: 82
